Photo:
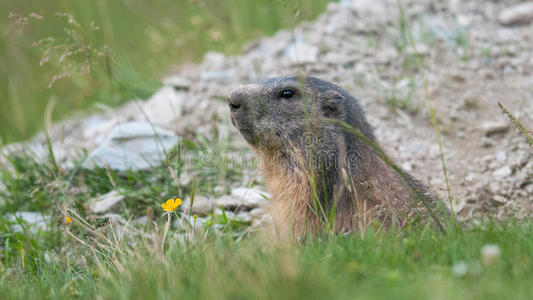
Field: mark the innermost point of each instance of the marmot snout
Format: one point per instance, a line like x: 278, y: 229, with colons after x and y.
x: 316, y: 168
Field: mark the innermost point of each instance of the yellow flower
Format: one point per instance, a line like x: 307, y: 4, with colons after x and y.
x: 68, y: 219
x: 195, y: 217
x: 171, y: 204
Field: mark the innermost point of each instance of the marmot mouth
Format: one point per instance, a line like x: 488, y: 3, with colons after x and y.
x: 249, y: 136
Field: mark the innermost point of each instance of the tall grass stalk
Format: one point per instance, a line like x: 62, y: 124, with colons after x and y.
x: 391, y: 164
x: 517, y: 124
x: 429, y: 105
x: 47, y: 127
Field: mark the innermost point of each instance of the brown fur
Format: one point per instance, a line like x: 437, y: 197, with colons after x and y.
x: 380, y: 197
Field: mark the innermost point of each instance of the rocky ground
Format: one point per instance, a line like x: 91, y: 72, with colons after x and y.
x: 475, y: 54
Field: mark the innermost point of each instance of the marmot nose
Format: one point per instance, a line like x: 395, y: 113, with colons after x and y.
x: 236, y: 99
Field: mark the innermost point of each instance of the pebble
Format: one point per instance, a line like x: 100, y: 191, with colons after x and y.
x: 300, y: 52
x: 490, y: 128
x: 243, y: 198
x: 178, y: 82
x: 517, y: 14
x: 105, y: 203
x: 133, y: 146
x: 202, y: 205
x: 460, y: 269
x: 34, y: 220
x: 502, y: 172
x: 499, y: 199
x: 490, y: 254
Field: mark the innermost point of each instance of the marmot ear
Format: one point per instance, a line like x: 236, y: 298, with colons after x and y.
x: 331, y: 102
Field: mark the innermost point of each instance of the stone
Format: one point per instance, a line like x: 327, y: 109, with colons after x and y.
x: 133, y: 146
x: 499, y: 199
x: 486, y: 142
x: 185, y: 178
x: 214, y: 60
x: 502, y: 172
x: 501, y: 156
x: 177, y: 82
x: 96, y: 128
x: 243, y: 198
x: 106, y: 202
x: 529, y: 189
x: 495, y: 188
x: 218, y: 75
x: 460, y: 269
x: 121, y: 227
x: 114, y: 219
x: 490, y: 254
x: 257, y: 212
x: 216, y: 68
x: 300, y: 52
x: 35, y: 220
x: 494, y: 127
x: 521, y: 13
x: 243, y: 216
x: 39, y: 152
x: 164, y: 108
x: 369, y: 8
x: 519, y: 159
x: 471, y: 176
x: 407, y: 166
x: 202, y: 205
x: 142, y: 220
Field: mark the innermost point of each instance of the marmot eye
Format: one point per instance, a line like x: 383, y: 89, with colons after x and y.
x: 286, y: 94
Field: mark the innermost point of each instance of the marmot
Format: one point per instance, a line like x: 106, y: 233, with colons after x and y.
x: 321, y: 161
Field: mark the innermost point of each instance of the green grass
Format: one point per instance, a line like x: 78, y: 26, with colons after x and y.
x: 374, y: 265
x: 225, y: 259
x: 133, y: 44
x: 34, y: 184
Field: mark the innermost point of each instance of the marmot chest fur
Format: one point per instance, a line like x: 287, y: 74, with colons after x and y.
x: 320, y: 158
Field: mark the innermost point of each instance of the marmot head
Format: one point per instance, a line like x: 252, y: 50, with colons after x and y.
x: 280, y: 113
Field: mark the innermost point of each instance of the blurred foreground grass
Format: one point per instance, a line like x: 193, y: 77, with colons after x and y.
x: 486, y: 262
x: 87, y: 256
x: 113, y: 51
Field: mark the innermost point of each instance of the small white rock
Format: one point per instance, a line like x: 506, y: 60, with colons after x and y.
x: 243, y: 197
x: 490, y: 254
x: 501, y: 156
x: 33, y: 219
x: 202, y: 205
x: 114, y: 219
x: 164, y: 108
x: 142, y: 220
x: 471, y: 176
x: 300, y: 52
x: 407, y: 166
x: 460, y: 269
x: 529, y: 189
x: 257, y: 212
x: 502, y: 172
x: 177, y: 82
x: 517, y: 14
x: 106, y: 202
x: 493, y: 127
x: 133, y: 146
x: 499, y: 199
